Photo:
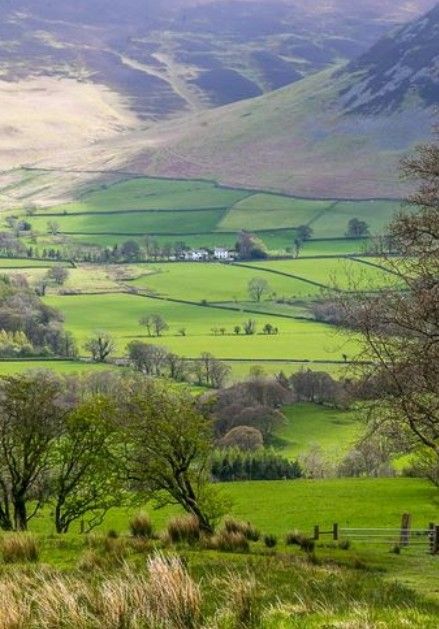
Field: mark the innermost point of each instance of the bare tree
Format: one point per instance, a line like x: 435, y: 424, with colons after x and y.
x: 58, y: 274
x: 101, y: 345
x: 400, y: 328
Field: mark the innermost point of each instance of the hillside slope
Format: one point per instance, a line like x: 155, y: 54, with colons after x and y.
x: 337, y: 134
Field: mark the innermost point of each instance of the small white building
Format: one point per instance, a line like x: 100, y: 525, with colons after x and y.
x: 219, y: 253
x: 196, y: 255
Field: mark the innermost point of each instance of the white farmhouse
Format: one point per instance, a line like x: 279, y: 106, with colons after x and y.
x: 219, y: 253
x: 196, y: 255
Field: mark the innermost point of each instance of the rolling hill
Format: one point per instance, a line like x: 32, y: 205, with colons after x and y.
x: 169, y: 57
x: 334, y: 134
x: 338, y: 132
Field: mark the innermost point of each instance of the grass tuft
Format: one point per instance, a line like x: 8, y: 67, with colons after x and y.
x: 19, y: 547
x: 184, y: 529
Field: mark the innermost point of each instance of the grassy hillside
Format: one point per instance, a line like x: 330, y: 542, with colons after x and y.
x: 309, y: 425
x: 120, y: 314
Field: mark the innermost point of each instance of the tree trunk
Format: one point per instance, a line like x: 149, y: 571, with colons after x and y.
x: 20, y: 514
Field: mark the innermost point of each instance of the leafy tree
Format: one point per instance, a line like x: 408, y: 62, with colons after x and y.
x: 31, y: 418
x: 130, y: 250
x: 147, y: 358
x: 249, y: 246
x: 100, y: 346
x: 243, y: 437
x: 357, y: 228
x: 168, y: 448
x: 256, y: 287
x: 250, y: 327
x: 304, y: 232
x: 84, y: 466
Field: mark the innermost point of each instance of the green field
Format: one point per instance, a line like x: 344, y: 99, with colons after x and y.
x: 265, y: 211
x: 11, y: 367
x: 344, y: 273
x: 24, y: 263
x: 217, y: 282
x: 308, y: 425
x: 120, y: 314
x: 205, y: 214
x: 148, y: 193
x: 333, y: 222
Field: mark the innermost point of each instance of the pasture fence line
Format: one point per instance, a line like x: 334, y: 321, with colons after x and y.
x: 401, y: 537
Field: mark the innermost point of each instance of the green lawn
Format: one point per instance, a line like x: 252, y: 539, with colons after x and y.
x: 308, y: 425
x: 120, y: 314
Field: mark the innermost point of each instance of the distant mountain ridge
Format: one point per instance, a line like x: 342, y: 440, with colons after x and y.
x: 400, y: 68
x: 170, y: 57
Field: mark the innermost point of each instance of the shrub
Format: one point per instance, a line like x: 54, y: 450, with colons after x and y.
x: 294, y: 538
x: 229, y: 542
x: 141, y: 526
x: 270, y: 541
x: 184, y: 529
x: 308, y: 544
x: 19, y: 547
x: 112, y: 534
x: 245, y: 528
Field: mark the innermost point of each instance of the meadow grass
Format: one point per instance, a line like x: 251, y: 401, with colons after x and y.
x: 308, y: 425
x: 134, y: 223
x: 149, y: 193
x: 334, y: 222
x: 11, y: 367
x: 343, y: 273
x: 25, y: 263
x: 268, y: 211
x: 119, y: 314
x: 219, y: 283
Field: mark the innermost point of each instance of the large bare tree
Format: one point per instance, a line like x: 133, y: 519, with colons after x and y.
x: 400, y: 326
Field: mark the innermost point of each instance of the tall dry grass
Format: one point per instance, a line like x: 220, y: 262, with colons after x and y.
x: 165, y: 596
x: 19, y: 547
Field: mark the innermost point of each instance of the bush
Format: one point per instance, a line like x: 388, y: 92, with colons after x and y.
x: 270, y: 541
x: 19, y: 547
x: 141, y: 526
x: 294, y: 538
x: 229, y: 542
x: 184, y: 529
x: 113, y: 534
x: 236, y: 526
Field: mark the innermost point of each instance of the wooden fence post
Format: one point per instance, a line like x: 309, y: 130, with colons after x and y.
x: 335, y: 531
x: 405, y: 529
x: 435, y: 545
x: 316, y: 532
